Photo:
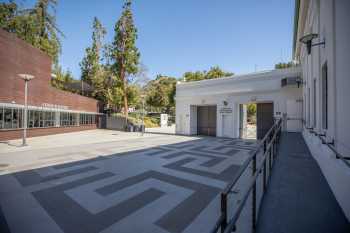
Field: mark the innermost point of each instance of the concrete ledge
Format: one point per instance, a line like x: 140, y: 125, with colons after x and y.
x: 335, y: 171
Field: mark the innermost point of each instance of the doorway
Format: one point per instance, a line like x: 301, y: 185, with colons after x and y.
x: 206, y: 120
x: 247, y: 122
x: 265, y: 121
x: 294, y: 115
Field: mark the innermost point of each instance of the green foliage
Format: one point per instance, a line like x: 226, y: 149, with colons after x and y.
x: 251, y: 109
x: 92, y: 71
x: 36, y: 26
x: 251, y: 113
x: 214, y: 72
x: 62, y: 78
x: 151, y: 122
x: 124, y: 53
x: 133, y: 94
x: 283, y: 65
x: 160, y: 93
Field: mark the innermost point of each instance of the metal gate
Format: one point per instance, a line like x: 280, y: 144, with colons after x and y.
x: 264, y: 117
x: 206, y: 120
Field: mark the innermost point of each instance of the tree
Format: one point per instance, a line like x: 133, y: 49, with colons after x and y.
x: 92, y: 71
x: 47, y: 28
x: 61, y: 78
x: 283, y: 65
x: 214, y: 72
x: 124, y: 53
x: 160, y: 93
x: 36, y: 26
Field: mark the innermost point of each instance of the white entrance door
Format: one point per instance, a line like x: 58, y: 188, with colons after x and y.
x: 294, y: 115
x: 227, y: 125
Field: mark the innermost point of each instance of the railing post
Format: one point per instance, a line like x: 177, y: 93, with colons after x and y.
x: 254, y: 195
x: 270, y: 155
x: 223, y: 212
x: 264, y: 177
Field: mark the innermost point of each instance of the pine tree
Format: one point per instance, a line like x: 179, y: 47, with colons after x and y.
x: 124, y: 53
x: 92, y: 71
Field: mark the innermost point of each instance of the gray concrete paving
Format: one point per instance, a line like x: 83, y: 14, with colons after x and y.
x: 299, y: 199
x: 121, y: 183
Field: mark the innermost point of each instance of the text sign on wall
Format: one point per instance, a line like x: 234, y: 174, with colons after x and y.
x: 46, y: 105
x: 226, y: 110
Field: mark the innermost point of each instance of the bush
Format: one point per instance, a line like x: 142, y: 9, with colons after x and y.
x: 150, y: 122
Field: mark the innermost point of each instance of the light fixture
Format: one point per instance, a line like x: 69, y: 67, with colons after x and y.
x: 299, y: 81
x: 307, y: 40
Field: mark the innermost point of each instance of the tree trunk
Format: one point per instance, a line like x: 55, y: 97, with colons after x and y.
x: 125, y: 84
x: 126, y: 108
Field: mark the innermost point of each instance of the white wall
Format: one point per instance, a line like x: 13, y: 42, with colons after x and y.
x: 330, y: 19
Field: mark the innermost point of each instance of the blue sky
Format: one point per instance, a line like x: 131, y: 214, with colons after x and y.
x: 175, y: 36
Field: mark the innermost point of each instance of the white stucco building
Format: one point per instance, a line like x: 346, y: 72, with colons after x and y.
x: 326, y: 95
x: 319, y: 107
x: 226, y: 95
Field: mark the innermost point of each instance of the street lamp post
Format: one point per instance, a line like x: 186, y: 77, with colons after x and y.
x: 26, y: 78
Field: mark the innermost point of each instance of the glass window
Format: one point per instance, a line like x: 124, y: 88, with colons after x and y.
x: 314, y: 104
x: 15, y: 119
x: 36, y: 119
x: 30, y: 117
x: 41, y: 119
x: 324, y: 96
x: 7, y: 118
x: 11, y: 118
x: 308, y: 107
x: 20, y: 118
x: 48, y: 118
x: 1, y: 117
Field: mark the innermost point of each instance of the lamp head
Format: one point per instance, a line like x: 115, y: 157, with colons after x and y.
x: 26, y: 77
x: 307, y: 40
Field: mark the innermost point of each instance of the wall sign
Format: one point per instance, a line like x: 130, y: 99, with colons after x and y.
x: 46, y: 105
x: 226, y: 110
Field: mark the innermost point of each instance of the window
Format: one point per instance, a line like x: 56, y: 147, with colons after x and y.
x: 36, y: 119
x: 314, y: 103
x: 87, y: 119
x: 68, y: 119
x: 308, y: 107
x: 64, y: 119
x: 8, y: 118
x: 49, y: 119
x: 1, y: 117
x: 324, y: 96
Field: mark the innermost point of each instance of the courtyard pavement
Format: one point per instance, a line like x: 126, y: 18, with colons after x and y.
x: 111, y: 181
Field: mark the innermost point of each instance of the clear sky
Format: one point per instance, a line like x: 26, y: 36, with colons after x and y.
x: 175, y: 36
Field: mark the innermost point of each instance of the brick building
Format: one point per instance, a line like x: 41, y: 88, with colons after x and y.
x: 50, y: 111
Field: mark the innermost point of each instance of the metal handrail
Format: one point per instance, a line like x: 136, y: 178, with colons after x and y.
x: 246, y: 163
x: 273, y: 135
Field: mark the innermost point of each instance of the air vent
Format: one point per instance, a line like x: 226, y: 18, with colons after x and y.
x: 289, y: 81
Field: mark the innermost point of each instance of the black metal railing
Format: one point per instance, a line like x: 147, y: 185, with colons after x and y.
x: 269, y: 145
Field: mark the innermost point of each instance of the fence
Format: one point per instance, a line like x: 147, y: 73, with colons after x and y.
x: 267, y: 148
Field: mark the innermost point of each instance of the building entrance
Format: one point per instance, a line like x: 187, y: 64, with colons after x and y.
x: 206, y: 120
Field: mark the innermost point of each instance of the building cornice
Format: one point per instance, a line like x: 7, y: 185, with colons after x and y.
x: 251, y: 77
